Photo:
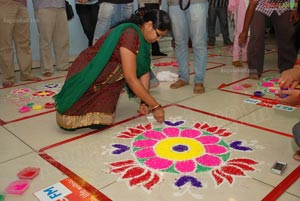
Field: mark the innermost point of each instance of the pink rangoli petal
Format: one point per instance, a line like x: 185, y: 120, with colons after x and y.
x: 215, y: 149
x: 171, y: 132
x: 275, y: 79
x: 209, y: 160
x: 267, y: 84
x: 158, y: 163
x: 208, y: 139
x: 190, y: 133
x: 144, y: 143
x: 185, y: 166
x: 145, y: 153
x: 154, y: 135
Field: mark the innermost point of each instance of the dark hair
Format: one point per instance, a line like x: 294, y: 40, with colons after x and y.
x: 160, y: 19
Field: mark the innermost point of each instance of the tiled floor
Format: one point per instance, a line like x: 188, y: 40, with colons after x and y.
x: 222, y: 148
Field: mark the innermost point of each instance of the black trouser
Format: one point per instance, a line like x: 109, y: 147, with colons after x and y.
x: 284, y: 31
x: 297, y: 37
x: 221, y: 13
x: 88, y: 15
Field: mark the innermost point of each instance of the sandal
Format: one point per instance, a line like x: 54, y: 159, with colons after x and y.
x: 237, y: 64
x: 47, y: 74
x: 31, y: 78
x: 199, y: 88
x: 7, y: 84
x: 179, y: 83
x: 296, y: 155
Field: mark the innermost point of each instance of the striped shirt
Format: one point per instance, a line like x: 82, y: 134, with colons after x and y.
x: 267, y: 7
x: 218, y: 3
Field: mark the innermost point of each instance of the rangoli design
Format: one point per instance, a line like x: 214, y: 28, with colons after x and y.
x: 182, y: 151
x: 171, y: 63
x: 270, y: 85
x: 44, y: 93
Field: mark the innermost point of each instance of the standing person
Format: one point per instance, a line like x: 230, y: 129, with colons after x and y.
x: 52, y: 25
x: 110, y: 13
x: 283, y: 19
x: 14, y: 29
x: 238, y: 9
x: 149, y: 5
x: 218, y: 8
x: 96, y: 78
x: 87, y: 11
x: 189, y: 21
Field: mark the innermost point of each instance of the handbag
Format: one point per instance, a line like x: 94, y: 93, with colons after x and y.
x: 69, y: 11
x: 181, y: 5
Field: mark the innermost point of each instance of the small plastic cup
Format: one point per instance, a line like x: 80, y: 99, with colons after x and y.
x: 17, y: 187
x: 28, y: 173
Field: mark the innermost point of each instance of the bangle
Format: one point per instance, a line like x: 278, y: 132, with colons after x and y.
x: 144, y: 103
x: 157, y: 107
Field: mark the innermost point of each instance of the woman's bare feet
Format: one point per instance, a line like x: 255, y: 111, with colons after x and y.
x: 296, y: 155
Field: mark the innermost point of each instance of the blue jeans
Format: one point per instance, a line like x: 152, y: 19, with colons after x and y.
x: 109, y: 15
x: 190, y: 23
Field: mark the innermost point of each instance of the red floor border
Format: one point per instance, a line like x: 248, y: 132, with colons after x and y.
x: 275, y: 193
x: 283, y: 186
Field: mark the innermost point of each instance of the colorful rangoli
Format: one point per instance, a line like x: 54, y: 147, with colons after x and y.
x: 180, y: 150
x: 270, y: 85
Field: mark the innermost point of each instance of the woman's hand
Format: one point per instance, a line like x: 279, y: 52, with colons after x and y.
x: 159, y: 114
x: 243, y: 38
x: 290, y: 77
x: 144, y: 109
x: 291, y: 99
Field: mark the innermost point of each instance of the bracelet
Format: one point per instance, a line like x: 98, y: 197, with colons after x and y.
x: 157, y: 107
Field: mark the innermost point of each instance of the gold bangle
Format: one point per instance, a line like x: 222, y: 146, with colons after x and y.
x: 157, y: 107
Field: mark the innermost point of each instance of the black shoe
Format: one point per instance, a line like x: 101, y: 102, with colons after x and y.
x: 227, y: 43
x: 158, y: 54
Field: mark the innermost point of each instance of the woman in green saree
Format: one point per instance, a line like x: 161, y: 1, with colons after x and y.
x: 97, y: 76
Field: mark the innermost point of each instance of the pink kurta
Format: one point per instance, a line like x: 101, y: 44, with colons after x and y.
x: 238, y: 8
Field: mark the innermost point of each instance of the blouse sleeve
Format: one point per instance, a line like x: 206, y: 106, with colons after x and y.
x: 130, y: 40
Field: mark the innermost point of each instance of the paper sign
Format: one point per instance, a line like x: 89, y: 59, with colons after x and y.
x: 65, y: 190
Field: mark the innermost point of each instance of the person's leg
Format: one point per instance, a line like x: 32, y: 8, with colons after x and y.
x: 197, y: 15
x: 61, y: 40
x: 45, y: 19
x: 105, y: 15
x: 296, y: 134
x: 256, y: 45
x: 180, y: 29
x: 284, y: 30
x: 236, y: 51
x: 223, y: 18
x: 8, y: 12
x: 22, y: 44
x: 297, y: 37
x: 94, y: 10
x: 126, y: 12
x: 88, y: 15
x: 211, y: 23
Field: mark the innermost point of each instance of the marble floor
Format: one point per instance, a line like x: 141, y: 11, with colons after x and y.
x: 220, y: 145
